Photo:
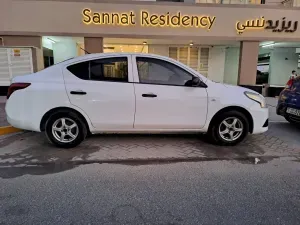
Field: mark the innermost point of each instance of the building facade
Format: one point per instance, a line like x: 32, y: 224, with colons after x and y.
x: 237, y: 42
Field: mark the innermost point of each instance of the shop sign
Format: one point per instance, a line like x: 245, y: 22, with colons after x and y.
x: 17, y: 52
x: 262, y: 24
x: 148, y: 19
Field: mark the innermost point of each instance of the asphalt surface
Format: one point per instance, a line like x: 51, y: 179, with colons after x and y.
x: 215, y: 192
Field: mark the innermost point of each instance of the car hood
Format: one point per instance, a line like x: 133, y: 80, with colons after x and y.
x: 237, y: 88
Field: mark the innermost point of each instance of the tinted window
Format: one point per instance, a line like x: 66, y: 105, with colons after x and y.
x: 156, y: 71
x: 80, y: 70
x: 109, y: 69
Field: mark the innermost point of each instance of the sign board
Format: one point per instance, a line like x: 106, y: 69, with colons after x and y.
x: 17, y: 52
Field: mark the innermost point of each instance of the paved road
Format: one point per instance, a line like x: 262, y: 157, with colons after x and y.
x: 215, y: 192
x: 30, y: 148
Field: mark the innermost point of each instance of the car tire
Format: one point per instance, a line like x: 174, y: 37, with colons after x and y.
x: 229, y: 128
x: 288, y: 119
x: 65, y: 129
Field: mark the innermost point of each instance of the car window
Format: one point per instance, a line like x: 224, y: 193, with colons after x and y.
x: 108, y: 69
x: 80, y: 70
x: 156, y: 71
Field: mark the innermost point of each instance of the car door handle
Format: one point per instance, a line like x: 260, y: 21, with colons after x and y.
x: 78, y: 93
x: 149, y: 95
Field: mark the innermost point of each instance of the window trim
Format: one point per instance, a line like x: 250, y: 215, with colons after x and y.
x: 129, y: 68
x: 164, y: 60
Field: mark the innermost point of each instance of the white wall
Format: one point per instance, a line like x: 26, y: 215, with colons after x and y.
x: 216, y: 64
x: 63, y: 50
x: 159, y: 50
x: 231, y: 65
x: 282, y: 62
x: 47, y: 43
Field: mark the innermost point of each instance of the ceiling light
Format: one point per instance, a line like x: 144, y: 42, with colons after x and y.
x: 145, y: 42
x: 268, y: 45
x: 191, y: 44
x: 52, y: 41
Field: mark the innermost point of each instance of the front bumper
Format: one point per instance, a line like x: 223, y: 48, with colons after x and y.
x: 281, y: 110
x: 260, y: 118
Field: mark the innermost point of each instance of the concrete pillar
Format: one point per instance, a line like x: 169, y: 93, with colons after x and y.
x: 93, y: 44
x: 27, y: 41
x: 248, y: 62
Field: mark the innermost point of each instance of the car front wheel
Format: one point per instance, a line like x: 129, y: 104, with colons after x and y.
x: 65, y: 130
x: 229, y: 128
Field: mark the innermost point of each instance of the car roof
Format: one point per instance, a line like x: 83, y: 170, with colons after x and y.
x: 100, y: 55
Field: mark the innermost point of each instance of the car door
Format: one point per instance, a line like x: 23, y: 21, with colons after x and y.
x: 163, y: 101
x: 103, y: 89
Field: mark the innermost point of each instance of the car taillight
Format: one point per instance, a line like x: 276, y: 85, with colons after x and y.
x: 16, y: 86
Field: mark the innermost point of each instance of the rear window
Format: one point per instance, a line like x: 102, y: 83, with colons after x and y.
x: 80, y: 70
x: 108, y: 69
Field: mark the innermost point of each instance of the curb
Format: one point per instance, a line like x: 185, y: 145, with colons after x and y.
x: 8, y: 130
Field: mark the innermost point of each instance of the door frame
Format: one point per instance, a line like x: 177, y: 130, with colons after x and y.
x: 181, y: 66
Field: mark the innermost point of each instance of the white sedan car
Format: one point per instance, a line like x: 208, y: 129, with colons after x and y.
x: 101, y: 93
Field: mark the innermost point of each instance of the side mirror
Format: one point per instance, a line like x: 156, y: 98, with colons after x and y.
x: 196, y: 82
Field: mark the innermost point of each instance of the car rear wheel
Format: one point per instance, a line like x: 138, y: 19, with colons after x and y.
x: 65, y: 130
x: 229, y: 128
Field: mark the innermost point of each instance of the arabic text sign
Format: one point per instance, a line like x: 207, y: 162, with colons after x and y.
x: 148, y: 19
x: 262, y: 24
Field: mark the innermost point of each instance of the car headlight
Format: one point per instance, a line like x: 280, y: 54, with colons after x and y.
x: 257, y: 98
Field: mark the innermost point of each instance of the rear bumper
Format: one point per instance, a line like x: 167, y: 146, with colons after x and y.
x: 19, y: 115
x: 21, y: 123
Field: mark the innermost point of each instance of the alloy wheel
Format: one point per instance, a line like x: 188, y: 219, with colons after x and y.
x: 230, y: 129
x: 65, y: 130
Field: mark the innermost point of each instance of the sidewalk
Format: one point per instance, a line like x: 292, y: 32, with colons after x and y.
x: 3, y: 121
